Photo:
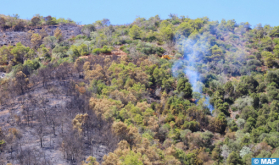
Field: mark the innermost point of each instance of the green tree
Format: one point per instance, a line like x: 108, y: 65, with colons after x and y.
x: 59, y: 51
x: 249, y: 125
x: 247, y: 112
x: 185, y: 28
x: 241, y: 89
x: 132, y: 159
x: 233, y: 159
x: 167, y: 32
x: 219, y: 124
x: 216, y: 152
x: 19, y: 52
x: 50, y: 41
x: 58, y: 34
x: 252, y: 84
x: 276, y: 153
x: 164, y: 23
x: 87, y: 29
x: 91, y: 161
x: 232, y: 125
x: 275, y: 32
x: 266, y: 44
x: 36, y: 40
x: 135, y: 32
x: 269, y: 59
x: 216, y: 53
x: 184, y: 87
x: 50, y: 20
x: 35, y: 20
x: 229, y: 88
x: 276, y: 51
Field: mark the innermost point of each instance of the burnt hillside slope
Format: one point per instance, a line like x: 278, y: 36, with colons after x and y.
x: 12, y: 37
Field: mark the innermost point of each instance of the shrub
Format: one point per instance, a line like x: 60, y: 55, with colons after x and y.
x: 96, y: 51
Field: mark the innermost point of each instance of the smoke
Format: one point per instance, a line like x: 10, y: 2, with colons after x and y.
x: 194, y: 52
x: 207, y: 103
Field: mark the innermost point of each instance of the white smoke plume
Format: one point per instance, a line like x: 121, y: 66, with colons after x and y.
x: 193, y: 51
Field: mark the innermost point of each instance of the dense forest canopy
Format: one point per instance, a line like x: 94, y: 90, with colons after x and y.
x: 154, y: 92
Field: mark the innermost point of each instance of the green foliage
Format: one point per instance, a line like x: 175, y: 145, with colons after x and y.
x: 276, y: 51
x: 275, y: 32
x: 97, y: 51
x: 18, y: 52
x: 220, y: 123
x: 264, y: 154
x: 166, y: 31
x: 189, y: 158
x: 132, y: 159
x: 44, y: 52
x: 150, y: 36
x: 216, y: 53
x: 192, y: 125
x: 87, y: 29
x: 232, y: 125
x: 247, y: 112
x: 184, y: 87
x: 185, y: 28
x: 35, y: 21
x: 162, y: 78
x: 249, y: 125
x: 148, y: 49
x: 59, y: 51
x: 275, y: 154
x: 5, y: 54
x: 30, y: 65
x: 237, y: 67
x: 176, y: 105
x: 135, y: 32
x: 105, y: 49
x: 234, y: 159
x: 50, y: 20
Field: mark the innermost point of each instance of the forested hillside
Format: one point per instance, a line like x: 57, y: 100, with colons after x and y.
x: 154, y: 92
